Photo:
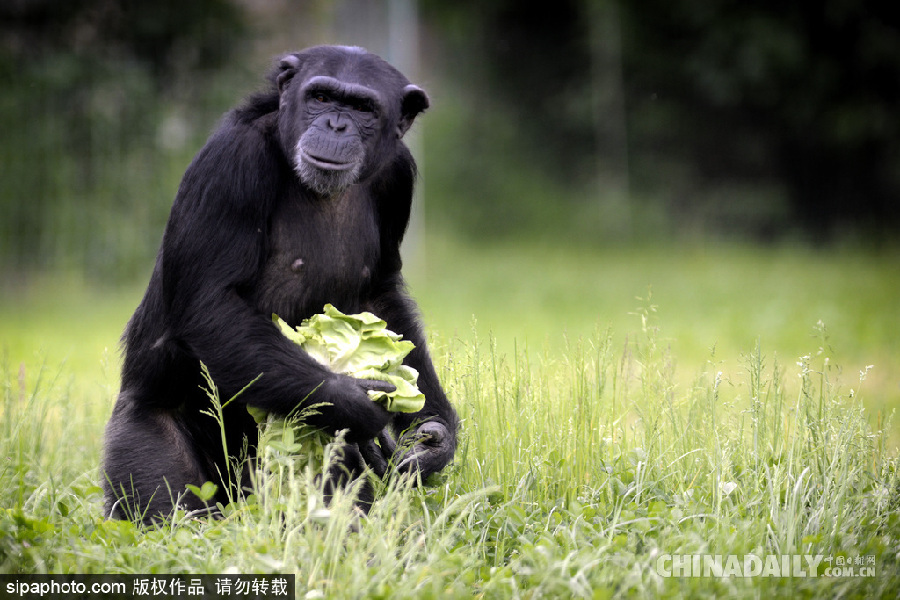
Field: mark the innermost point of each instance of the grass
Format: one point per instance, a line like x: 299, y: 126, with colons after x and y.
x: 716, y: 302
x: 584, y: 458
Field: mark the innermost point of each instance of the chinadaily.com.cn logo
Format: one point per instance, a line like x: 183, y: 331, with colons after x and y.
x: 765, y: 565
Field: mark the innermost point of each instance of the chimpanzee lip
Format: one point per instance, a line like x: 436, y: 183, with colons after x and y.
x: 326, y: 164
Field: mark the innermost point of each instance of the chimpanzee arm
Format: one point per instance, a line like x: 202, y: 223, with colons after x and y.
x: 432, y: 431
x: 214, y: 249
x: 435, y: 426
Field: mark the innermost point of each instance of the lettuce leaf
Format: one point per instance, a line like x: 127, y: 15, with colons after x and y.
x: 361, y: 346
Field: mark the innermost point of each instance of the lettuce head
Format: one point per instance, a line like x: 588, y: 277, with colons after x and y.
x: 361, y: 346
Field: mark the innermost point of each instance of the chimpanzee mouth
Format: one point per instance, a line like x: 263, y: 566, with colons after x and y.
x: 326, y: 177
x: 326, y: 164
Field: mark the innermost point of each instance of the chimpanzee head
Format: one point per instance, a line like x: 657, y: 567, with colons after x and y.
x: 342, y: 113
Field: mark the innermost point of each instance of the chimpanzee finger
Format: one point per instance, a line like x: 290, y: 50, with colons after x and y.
x: 376, y: 385
x: 388, y: 445
x: 374, y: 457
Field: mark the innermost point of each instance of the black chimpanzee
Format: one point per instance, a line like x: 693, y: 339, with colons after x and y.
x: 300, y: 198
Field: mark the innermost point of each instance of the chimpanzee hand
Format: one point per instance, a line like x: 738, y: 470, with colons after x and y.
x: 428, y: 449
x: 431, y: 448
x: 351, y: 408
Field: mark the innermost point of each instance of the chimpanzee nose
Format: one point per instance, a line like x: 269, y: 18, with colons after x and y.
x: 337, y: 123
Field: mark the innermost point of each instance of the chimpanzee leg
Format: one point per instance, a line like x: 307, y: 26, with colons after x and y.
x: 148, y: 461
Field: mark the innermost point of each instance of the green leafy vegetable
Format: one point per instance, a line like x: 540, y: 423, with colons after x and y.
x: 361, y: 346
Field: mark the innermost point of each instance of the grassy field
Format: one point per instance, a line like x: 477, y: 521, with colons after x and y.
x: 713, y: 303
x: 619, y: 409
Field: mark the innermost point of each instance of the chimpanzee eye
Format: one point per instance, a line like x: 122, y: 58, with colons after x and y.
x: 320, y: 97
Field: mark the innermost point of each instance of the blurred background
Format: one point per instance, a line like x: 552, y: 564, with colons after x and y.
x: 596, y: 122
x: 742, y: 159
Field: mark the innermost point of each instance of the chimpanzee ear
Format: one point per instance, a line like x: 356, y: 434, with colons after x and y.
x: 287, y: 68
x: 415, y: 100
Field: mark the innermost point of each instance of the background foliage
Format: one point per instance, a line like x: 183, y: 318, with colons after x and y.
x: 760, y: 120
x: 600, y: 121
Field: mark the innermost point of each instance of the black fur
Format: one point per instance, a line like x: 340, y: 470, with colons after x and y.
x: 250, y: 235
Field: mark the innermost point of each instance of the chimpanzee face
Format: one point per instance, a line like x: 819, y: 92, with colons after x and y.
x: 342, y: 114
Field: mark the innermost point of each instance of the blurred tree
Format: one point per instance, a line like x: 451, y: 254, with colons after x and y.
x: 534, y: 66
x: 762, y: 117
x: 523, y: 142
x: 802, y: 93
x: 165, y: 36
x: 81, y: 84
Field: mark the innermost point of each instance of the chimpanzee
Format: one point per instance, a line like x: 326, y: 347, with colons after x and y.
x: 301, y: 197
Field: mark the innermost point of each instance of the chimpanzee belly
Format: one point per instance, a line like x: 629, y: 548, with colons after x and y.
x: 320, y: 252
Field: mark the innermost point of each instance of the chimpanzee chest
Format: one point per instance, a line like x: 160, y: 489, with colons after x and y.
x: 320, y: 252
